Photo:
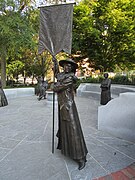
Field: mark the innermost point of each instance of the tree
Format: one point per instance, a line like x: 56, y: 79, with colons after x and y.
x: 121, y: 28
x: 16, y: 31
x: 14, y: 69
x: 104, y: 32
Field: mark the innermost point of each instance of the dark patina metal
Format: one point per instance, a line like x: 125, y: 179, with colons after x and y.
x: 105, y: 90
x: 70, y: 136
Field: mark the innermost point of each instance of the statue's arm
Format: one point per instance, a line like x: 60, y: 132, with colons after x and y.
x: 60, y: 86
x: 109, y: 83
x: 55, y: 67
x: 65, y: 83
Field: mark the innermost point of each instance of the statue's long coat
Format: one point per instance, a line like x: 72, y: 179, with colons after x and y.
x: 71, y: 139
x: 105, y: 91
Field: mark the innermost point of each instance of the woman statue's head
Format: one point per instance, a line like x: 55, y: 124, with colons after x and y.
x: 106, y: 75
x: 69, y: 65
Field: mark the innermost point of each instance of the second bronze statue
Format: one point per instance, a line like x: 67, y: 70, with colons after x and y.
x: 70, y: 136
x: 105, y: 90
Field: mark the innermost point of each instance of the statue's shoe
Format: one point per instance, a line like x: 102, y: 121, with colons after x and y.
x: 81, y: 165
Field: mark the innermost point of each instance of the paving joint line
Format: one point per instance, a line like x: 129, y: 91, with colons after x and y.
x: 108, y: 172
x: 12, y: 150
x: 67, y: 170
x: 114, y: 148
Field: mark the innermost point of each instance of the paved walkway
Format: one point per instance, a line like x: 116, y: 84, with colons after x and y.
x: 123, y: 174
x: 25, y: 144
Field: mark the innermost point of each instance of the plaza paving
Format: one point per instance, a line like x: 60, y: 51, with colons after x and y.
x: 26, y: 144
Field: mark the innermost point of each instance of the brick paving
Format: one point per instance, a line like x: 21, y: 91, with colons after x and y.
x: 127, y: 173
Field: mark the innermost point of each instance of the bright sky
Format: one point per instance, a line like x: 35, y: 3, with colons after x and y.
x: 43, y: 2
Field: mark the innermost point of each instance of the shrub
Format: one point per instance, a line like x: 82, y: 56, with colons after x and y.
x: 118, y: 79
x: 133, y: 79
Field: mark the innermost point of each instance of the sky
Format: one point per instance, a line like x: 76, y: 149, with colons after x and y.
x: 43, y: 2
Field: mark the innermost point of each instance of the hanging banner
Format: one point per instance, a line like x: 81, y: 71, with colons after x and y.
x: 55, y: 34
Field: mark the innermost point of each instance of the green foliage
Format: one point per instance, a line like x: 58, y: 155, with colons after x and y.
x: 107, y: 37
x: 90, y: 80
x: 117, y: 79
x: 132, y: 78
x: 14, y: 69
x: 18, y: 35
x: 121, y: 80
x: 82, y: 27
x: 103, y: 30
x: 15, y: 29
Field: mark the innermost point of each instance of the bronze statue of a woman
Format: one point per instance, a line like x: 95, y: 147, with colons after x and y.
x: 70, y: 136
x: 105, y: 90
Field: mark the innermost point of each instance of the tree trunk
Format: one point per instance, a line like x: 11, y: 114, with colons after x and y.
x: 3, y: 71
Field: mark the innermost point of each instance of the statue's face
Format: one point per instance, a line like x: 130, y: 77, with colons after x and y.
x: 67, y: 68
x: 106, y: 75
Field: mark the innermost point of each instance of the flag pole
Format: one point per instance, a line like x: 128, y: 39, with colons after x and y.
x: 55, y: 71
x: 53, y: 109
x: 53, y: 122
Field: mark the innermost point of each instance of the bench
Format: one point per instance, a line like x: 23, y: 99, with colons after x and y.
x: 19, y: 92
x: 89, y: 90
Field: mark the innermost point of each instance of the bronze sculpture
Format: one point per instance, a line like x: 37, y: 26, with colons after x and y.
x: 70, y: 136
x: 43, y: 85
x: 3, y: 99
x: 37, y: 87
x: 105, y: 90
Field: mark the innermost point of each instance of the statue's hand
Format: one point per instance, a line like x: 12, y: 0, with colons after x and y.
x: 56, y: 66
x: 56, y: 86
